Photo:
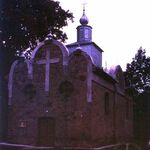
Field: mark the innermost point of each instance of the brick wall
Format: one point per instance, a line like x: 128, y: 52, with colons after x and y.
x: 77, y: 121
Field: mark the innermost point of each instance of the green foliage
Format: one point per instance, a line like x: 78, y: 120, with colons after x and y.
x: 137, y: 75
x: 25, y: 22
x: 137, y: 78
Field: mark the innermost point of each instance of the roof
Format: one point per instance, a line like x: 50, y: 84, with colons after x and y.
x: 113, y: 71
x: 84, y: 44
x: 103, y: 74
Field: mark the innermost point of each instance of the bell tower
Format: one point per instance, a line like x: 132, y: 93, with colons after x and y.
x: 84, y: 31
x: 84, y: 41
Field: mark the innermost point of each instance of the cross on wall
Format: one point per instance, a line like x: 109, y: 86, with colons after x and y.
x: 47, y: 63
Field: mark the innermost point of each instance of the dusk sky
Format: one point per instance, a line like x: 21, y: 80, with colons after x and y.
x: 120, y: 27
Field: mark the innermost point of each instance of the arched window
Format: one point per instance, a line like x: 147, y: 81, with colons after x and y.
x: 106, y: 103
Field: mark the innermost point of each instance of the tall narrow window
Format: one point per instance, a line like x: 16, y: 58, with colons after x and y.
x: 106, y: 103
x: 127, y: 109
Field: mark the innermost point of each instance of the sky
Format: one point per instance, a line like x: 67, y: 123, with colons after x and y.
x: 120, y: 27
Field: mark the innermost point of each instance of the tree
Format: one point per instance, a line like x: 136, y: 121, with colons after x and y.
x: 25, y: 22
x: 137, y: 79
x: 137, y: 75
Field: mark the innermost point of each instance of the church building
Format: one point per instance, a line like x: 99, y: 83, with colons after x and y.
x: 63, y: 97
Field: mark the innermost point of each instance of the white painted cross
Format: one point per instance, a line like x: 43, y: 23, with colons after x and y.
x: 47, y: 63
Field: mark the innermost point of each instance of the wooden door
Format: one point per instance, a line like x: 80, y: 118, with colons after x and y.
x: 46, y: 131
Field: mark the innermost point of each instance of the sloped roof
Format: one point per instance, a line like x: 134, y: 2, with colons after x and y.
x: 114, y: 70
x: 84, y: 43
x: 103, y: 74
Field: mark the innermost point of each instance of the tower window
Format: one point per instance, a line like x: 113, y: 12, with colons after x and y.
x: 106, y: 103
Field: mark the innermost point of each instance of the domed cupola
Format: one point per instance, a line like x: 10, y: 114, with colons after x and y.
x: 84, y: 31
x: 84, y: 20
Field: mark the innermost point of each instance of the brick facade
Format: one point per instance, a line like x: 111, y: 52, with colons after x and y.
x: 73, y: 105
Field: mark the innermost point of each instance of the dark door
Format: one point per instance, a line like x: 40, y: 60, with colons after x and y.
x: 46, y: 133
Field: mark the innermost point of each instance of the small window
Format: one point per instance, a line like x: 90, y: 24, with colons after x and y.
x: 106, y: 103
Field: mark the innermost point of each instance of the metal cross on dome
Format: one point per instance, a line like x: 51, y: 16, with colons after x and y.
x: 84, y: 3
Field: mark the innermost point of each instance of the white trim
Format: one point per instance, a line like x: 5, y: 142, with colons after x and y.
x: 36, y: 49
x: 26, y: 146
x: 73, y: 148
x: 10, y: 78
x: 47, y: 61
x: 29, y: 63
x: 30, y: 69
x: 10, y: 82
x: 63, y: 48
x: 47, y: 70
